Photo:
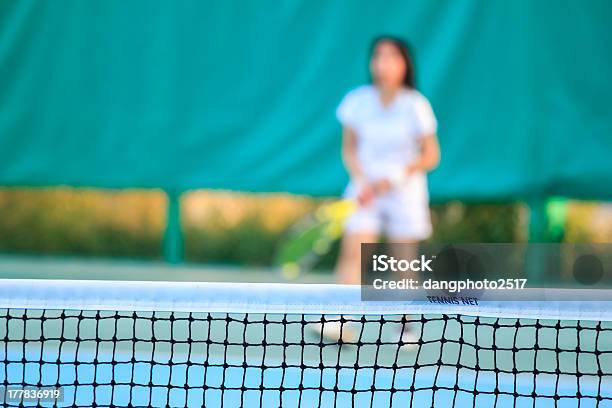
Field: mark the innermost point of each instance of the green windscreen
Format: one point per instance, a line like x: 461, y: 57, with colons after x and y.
x: 241, y: 94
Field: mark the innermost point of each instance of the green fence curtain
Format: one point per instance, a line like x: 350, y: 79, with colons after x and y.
x: 241, y: 94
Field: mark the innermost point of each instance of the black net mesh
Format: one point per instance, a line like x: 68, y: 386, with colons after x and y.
x: 196, y: 359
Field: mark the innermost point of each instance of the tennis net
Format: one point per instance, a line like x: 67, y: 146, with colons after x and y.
x: 214, y: 344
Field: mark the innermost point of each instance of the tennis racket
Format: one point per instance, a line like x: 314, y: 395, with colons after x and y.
x: 312, y: 237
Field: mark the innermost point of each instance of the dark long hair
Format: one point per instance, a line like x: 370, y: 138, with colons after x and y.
x: 404, y: 50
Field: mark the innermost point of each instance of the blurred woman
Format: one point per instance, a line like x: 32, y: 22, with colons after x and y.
x: 389, y: 144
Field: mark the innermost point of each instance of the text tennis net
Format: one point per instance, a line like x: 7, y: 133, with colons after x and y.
x: 183, y: 358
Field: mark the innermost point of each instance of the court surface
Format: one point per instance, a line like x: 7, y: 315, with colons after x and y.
x: 214, y: 359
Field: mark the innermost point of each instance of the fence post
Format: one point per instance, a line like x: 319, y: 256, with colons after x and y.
x: 536, y: 262
x: 173, y: 236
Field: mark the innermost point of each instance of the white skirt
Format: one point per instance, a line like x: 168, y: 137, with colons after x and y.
x: 401, y: 214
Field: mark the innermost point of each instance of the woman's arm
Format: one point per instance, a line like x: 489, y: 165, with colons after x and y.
x: 365, y: 192
x: 430, y: 155
x: 349, y: 155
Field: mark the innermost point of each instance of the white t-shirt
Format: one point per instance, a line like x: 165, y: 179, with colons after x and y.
x: 387, y: 136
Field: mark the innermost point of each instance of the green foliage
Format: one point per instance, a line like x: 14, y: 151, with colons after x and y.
x: 95, y: 223
x: 52, y: 222
x: 247, y: 242
x: 458, y: 222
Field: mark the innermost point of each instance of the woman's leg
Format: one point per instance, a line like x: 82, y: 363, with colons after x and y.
x: 348, y: 269
x: 405, y: 248
x: 407, y: 251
